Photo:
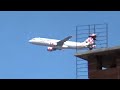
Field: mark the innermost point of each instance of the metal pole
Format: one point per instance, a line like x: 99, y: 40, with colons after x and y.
x: 76, y: 52
x: 107, y: 35
x: 89, y: 29
x: 76, y: 39
x: 94, y: 28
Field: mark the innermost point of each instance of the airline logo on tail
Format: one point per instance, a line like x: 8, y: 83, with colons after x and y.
x: 91, y: 41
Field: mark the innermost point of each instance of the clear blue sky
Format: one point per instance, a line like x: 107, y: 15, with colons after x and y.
x: 19, y: 59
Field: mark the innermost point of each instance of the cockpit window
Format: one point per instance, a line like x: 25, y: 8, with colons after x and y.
x: 37, y: 39
x: 33, y: 38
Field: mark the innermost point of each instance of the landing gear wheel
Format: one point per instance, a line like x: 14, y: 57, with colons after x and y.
x: 90, y: 48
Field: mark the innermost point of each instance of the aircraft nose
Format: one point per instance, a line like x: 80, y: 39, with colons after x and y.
x: 30, y: 41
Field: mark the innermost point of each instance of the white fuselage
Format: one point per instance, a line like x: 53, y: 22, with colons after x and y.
x: 53, y: 43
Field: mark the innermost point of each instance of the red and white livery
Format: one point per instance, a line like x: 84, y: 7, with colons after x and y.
x: 54, y: 44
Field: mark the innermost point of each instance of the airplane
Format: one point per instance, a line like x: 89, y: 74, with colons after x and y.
x: 54, y: 44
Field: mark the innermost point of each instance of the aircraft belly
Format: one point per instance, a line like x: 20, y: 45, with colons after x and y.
x: 81, y: 45
x: 64, y: 46
x: 73, y: 45
x: 68, y: 47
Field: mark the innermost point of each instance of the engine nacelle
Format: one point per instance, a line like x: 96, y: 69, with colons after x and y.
x: 50, y: 49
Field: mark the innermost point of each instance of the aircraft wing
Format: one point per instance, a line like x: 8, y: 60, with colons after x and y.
x: 61, y: 42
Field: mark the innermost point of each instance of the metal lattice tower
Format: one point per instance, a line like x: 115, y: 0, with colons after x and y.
x: 82, y: 33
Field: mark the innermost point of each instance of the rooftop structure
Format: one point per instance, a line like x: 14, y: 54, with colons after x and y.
x: 109, y: 58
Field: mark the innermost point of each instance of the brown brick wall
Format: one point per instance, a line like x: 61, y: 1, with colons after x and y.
x: 111, y: 73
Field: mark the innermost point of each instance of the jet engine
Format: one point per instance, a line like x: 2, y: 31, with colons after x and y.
x: 50, y: 49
